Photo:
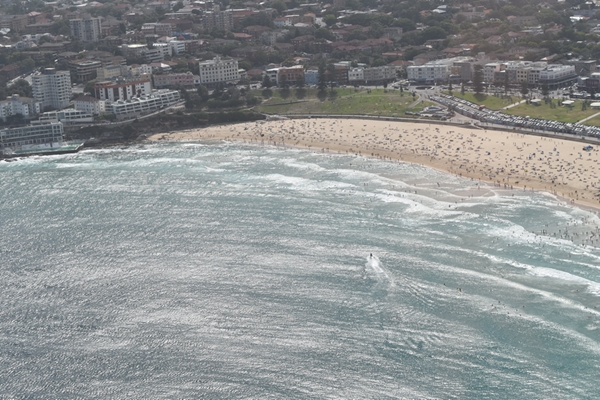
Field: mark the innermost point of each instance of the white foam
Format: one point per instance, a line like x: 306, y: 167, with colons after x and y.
x: 375, y: 265
x: 592, y: 287
x: 293, y: 163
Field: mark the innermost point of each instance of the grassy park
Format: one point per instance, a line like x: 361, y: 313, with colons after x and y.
x: 493, y: 102
x: 593, y: 121
x: 349, y: 101
x: 553, y: 111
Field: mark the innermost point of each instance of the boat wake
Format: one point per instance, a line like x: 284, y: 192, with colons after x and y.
x: 380, y: 274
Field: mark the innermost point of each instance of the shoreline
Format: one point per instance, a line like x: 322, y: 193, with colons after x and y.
x: 505, y: 159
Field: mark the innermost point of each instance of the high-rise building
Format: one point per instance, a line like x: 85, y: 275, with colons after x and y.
x: 222, y: 20
x: 52, y: 88
x: 86, y: 29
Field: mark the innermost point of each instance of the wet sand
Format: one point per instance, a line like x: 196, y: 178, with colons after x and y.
x: 506, y: 159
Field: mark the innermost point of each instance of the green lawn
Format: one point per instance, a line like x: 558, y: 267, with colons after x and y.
x: 556, y: 113
x: 594, y: 121
x: 490, y: 101
x: 342, y: 101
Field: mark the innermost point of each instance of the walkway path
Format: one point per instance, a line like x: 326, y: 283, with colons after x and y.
x: 514, y: 105
x: 590, y: 117
x: 414, y: 104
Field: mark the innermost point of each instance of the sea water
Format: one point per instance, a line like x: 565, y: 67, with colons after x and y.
x: 222, y: 270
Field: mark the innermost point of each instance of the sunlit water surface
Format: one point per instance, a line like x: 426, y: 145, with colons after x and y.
x: 198, y: 270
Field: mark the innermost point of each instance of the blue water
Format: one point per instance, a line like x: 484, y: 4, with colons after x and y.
x: 199, y: 270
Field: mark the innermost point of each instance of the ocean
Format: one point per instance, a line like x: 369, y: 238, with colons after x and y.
x: 237, y: 271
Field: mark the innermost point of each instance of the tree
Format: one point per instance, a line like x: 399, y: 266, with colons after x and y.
x: 203, y: 93
x: 20, y: 87
x: 545, y: 90
x: 89, y: 88
x: 324, y: 33
x: 478, y: 79
x: 322, y: 78
x: 524, y: 89
x: 283, y: 83
x: 279, y: 6
x: 433, y: 32
x: 178, y: 6
x: 267, y: 82
x: 331, y: 75
x: 329, y: 19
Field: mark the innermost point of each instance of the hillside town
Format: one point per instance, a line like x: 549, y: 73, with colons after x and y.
x: 96, y: 62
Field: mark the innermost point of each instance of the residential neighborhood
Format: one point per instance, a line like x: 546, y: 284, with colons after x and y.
x: 120, y: 60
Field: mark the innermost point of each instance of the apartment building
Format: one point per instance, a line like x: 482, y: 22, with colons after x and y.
x: 290, y: 75
x: 379, y: 75
x: 431, y: 72
x: 89, y: 105
x: 145, y: 104
x: 222, y: 20
x: 68, y: 116
x: 171, y: 80
x: 15, y: 104
x: 123, y: 88
x: 86, y: 29
x: 84, y: 70
x: 356, y: 76
x: 52, y: 88
x: 218, y: 70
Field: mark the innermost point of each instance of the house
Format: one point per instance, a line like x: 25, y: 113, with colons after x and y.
x: 301, y: 41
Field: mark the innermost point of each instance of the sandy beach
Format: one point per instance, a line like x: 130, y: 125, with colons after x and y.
x: 506, y: 159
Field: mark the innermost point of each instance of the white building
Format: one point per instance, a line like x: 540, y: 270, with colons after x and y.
x: 31, y: 136
x: 67, y: 116
x: 145, y: 104
x: 540, y: 72
x: 123, y: 88
x: 382, y: 74
x: 52, y: 88
x: 433, y: 71
x: 218, y: 71
x: 86, y: 29
x: 273, y: 74
x: 356, y: 75
x: 177, y: 46
x: 557, y: 75
x: 90, y: 105
x: 14, y: 105
x: 157, y: 53
x: 534, y: 72
x: 439, y: 71
x: 143, y: 69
